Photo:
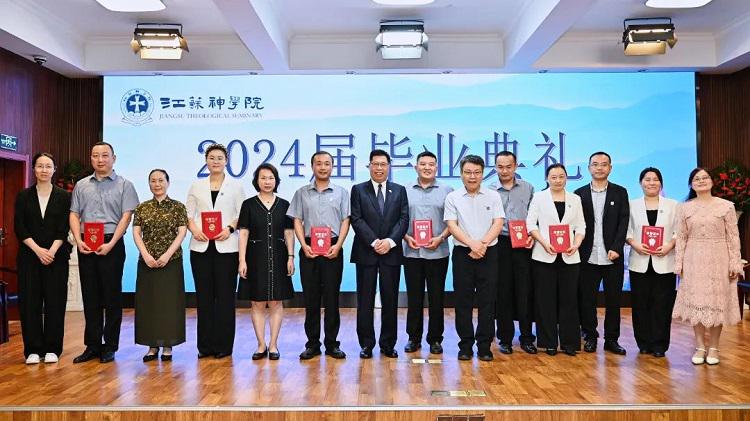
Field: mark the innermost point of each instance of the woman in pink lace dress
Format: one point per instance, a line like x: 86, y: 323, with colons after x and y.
x: 708, y: 261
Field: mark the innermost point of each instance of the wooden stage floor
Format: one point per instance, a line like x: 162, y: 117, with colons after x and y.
x: 587, y: 380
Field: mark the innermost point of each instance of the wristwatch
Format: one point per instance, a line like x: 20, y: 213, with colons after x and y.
x: 231, y: 229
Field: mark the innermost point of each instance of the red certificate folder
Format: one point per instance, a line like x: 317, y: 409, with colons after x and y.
x: 211, y: 224
x: 518, y: 233
x: 422, y: 232
x: 93, y: 234
x: 559, y: 237
x: 320, y: 240
x: 652, y: 237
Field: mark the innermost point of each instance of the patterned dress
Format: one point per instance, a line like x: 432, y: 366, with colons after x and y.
x: 708, y: 246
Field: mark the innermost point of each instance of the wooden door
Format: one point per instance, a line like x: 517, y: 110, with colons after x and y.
x: 12, y: 181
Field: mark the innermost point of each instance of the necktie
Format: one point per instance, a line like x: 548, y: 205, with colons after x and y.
x: 381, y: 199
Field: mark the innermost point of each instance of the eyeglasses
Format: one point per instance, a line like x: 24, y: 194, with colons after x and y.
x: 704, y: 178
x: 379, y: 164
x: 44, y: 167
x: 473, y: 173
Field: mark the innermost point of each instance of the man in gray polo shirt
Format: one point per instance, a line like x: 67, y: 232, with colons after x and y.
x: 514, y: 287
x: 109, y: 198
x: 321, y: 204
x: 474, y: 215
x: 426, y: 265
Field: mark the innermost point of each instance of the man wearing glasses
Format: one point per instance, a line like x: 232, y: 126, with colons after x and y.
x: 475, y: 217
x: 380, y: 218
x: 606, y: 210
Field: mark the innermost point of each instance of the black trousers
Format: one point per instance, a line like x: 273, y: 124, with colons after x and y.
x: 215, y: 276
x: 101, y: 288
x: 556, y: 303
x: 42, y: 294
x: 652, y: 296
x: 420, y: 273
x: 514, y: 293
x: 474, y: 280
x: 321, y: 280
x: 590, y: 279
x: 367, y: 278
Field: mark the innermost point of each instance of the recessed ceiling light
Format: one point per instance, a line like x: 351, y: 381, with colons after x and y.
x: 404, y: 2
x: 676, y: 4
x: 132, y: 5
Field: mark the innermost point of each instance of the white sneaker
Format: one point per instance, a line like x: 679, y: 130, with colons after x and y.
x: 50, y: 358
x: 32, y: 359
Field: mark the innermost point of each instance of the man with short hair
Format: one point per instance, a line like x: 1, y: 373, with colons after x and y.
x: 426, y: 264
x: 607, y: 211
x: 110, y: 199
x: 380, y: 218
x: 321, y: 204
x: 514, y: 288
x: 474, y: 215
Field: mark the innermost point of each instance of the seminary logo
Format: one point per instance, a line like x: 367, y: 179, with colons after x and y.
x: 136, y: 106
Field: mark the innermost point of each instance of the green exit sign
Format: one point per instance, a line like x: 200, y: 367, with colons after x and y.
x: 8, y: 142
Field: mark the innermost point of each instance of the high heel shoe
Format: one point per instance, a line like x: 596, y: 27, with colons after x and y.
x: 699, y: 357
x: 260, y: 355
x: 712, y: 360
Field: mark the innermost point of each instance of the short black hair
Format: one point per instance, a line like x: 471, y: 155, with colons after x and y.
x: 600, y: 153
x: 472, y: 159
x: 102, y: 143
x: 427, y: 154
x: 166, y: 175
x: 312, y: 158
x: 553, y: 166
x: 653, y: 170
x: 380, y: 152
x: 269, y: 167
x: 505, y: 153
x: 217, y: 147
x: 41, y: 154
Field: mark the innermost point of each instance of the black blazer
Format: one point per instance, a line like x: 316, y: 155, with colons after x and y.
x: 370, y: 225
x: 28, y: 221
x: 615, y: 219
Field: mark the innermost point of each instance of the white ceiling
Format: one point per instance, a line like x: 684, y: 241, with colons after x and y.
x: 80, y: 38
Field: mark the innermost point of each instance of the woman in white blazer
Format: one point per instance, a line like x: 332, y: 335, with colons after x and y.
x: 555, y: 275
x: 652, y: 283
x: 214, y: 262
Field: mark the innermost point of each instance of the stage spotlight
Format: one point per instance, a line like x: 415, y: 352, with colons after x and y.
x: 158, y: 41
x: 650, y: 36
x: 401, y: 39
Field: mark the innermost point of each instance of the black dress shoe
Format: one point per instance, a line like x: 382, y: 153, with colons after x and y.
x: 590, y: 345
x: 309, y: 353
x: 465, y: 355
x: 485, y: 355
x: 505, y: 349
x: 569, y: 351
x: 166, y: 357
x: 614, y: 347
x: 220, y: 355
x: 436, y: 348
x: 260, y: 355
x: 551, y: 351
x: 390, y: 353
x: 107, y: 357
x: 205, y: 355
x: 412, y: 346
x: 87, y: 355
x: 273, y: 356
x: 150, y: 357
x: 529, y: 348
x: 644, y: 351
x: 365, y: 353
x: 336, y: 353
x: 658, y: 354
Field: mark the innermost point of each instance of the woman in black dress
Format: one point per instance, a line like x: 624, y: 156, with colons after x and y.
x: 266, y: 261
x: 41, y: 225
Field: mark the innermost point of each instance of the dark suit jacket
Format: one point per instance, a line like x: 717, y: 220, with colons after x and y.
x: 614, y: 223
x: 370, y: 225
x: 28, y: 222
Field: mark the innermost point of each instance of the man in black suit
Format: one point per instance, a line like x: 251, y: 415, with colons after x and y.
x: 606, y: 211
x: 380, y: 218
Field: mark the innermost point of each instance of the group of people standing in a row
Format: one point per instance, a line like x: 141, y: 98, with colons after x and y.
x: 535, y: 281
